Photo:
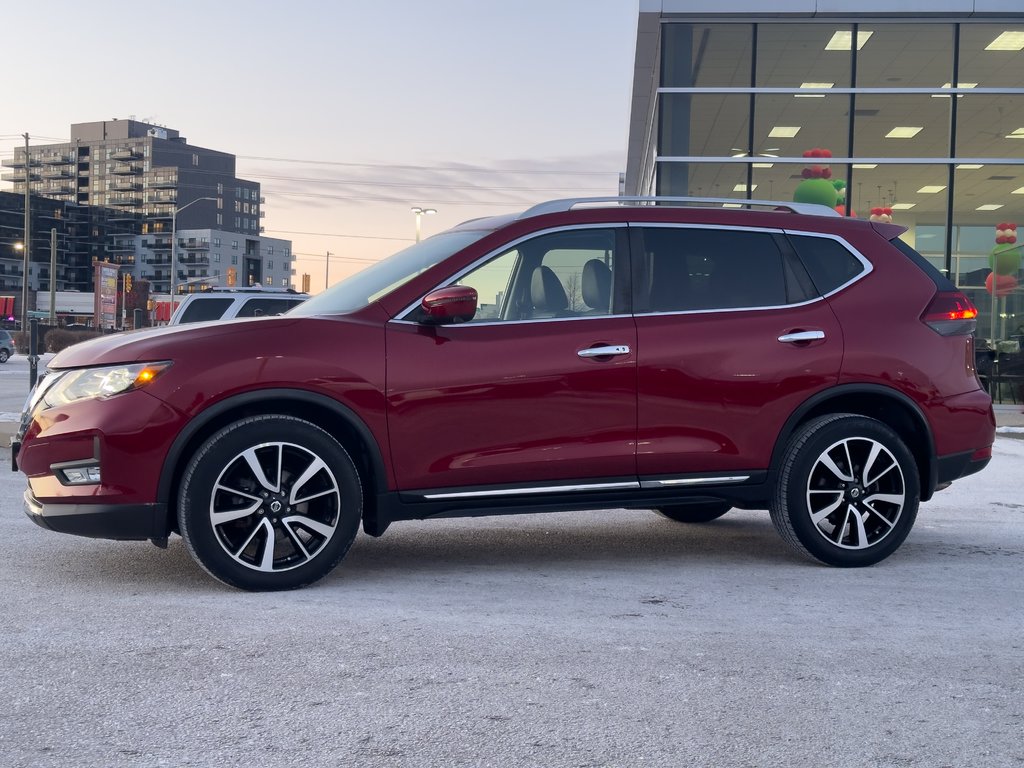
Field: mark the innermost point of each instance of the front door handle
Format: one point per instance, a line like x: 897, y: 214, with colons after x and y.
x: 801, y: 336
x: 608, y: 351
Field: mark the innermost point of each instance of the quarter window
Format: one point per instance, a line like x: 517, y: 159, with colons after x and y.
x: 829, y: 264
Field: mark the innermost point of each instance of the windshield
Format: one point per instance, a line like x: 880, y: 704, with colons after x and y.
x: 383, y: 277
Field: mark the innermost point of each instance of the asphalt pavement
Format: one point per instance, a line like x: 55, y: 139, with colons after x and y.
x: 607, y: 638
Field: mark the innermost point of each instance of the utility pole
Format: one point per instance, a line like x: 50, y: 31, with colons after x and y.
x: 327, y: 272
x: 53, y: 277
x: 28, y: 245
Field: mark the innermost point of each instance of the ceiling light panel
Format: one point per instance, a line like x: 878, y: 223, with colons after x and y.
x: 931, y: 189
x: 904, y: 132
x: 989, y: 207
x: 785, y: 131
x: 902, y: 206
x: 1007, y: 41
x: 841, y: 40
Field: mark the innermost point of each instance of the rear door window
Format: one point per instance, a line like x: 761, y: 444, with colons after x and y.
x: 686, y: 269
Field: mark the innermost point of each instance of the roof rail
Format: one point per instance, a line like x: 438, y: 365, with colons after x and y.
x: 567, y: 204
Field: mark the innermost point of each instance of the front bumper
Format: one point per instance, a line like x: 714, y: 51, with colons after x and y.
x: 129, y: 522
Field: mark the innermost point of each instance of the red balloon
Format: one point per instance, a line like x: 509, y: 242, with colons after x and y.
x: 1004, y: 284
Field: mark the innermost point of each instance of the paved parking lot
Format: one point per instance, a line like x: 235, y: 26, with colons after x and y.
x: 583, y: 639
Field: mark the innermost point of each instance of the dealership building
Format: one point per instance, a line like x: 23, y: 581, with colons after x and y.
x: 919, y: 106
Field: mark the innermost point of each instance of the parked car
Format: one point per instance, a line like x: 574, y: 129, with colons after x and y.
x: 229, y: 303
x: 683, y: 358
x: 6, y: 346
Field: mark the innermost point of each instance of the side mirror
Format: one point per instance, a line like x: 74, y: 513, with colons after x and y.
x: 454, y: 304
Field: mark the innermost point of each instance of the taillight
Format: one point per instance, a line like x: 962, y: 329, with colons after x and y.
x: 951, y: 313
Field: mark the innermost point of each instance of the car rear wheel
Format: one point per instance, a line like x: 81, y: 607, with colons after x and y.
x: 848, y: 491
x: 694, y: 513
x: 270, y: 502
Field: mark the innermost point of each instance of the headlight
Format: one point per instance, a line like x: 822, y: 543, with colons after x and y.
x: 85, y: 383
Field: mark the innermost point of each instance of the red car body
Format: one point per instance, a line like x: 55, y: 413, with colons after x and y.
x: 447, y: 418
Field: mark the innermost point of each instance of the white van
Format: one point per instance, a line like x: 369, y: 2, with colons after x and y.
x: 229, y: 303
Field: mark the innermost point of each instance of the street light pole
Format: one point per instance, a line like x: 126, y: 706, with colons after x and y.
x: 420, y: 213
x: 28, y: 243
x: 174, y: 244
x: 327, y: 272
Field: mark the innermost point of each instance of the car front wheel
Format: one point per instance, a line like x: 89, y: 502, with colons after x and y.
x: 269, y: 503
x: 3, y: 356
x: 848, y: 491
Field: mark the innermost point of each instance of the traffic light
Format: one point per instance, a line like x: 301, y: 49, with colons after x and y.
x: 127, y: 283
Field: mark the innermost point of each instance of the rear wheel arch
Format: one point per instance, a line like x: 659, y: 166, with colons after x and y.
x: 886, y: 405
x: 336, y: 419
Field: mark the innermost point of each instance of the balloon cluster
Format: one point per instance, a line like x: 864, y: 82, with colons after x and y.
x: 817, y: 171
x: 884, y: 215
x: 816, y: 187
x: 1004, y: 261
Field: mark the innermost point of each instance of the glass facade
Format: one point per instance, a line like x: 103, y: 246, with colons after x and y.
x: 923, y: 118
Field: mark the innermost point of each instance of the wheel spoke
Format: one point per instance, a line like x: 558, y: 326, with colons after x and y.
x: 230, y: 515
x: 876, y: 449
x: 862, y: 534
x: 880, y: 516
x: 832, y: 467
x: 250, y: 537
x: 879, y: 476
x: 267, y: 563
x: 315, y: 466
x: 235, y: 491
x: 296, y: 539
x: 313, y: 525
x: 891, y: 498
x: 817, y: 517
x: 257, y: 469
x: 313, y: 496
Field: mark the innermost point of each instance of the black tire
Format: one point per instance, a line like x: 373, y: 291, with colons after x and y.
x: 275, y: 480
x: 703, y: 512
x: 848, y: 491
x: 3, y: 356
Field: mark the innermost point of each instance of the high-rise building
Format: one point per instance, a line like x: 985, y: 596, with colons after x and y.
x: 152, y: 180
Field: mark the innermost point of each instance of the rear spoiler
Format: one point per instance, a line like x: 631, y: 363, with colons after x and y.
x: 888, y: 231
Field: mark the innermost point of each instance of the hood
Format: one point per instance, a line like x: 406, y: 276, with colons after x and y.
x: 162, y: 343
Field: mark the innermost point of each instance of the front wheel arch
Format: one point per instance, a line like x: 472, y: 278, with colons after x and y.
x: 337, y: 419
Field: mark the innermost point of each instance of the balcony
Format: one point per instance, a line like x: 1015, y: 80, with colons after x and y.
x: 163, y: 182
x: 127, y: 169
x: 124, y: 200
x: 19, y: 162
x: 193, y: 244
x: 160, y: 261
x: 57, y: 173
x: 57, y: 189
x: 16, y: 177
x: 157, y: 198
x: 57, y: 158
x: 120, y: 247
x: 125, y: 185
x: 126, y: 154
x: 193, y: 261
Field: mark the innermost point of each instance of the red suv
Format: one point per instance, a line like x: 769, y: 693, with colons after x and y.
x: 581, y: 355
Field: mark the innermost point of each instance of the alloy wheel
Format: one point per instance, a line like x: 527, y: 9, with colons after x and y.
x: 856, y: 493
x: 275, y: 506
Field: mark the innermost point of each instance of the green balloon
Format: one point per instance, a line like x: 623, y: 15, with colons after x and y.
x: 818, y: 191
x: 1005, y: 259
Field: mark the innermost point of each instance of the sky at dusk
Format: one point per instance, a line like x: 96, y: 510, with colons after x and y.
x: 348, y: 113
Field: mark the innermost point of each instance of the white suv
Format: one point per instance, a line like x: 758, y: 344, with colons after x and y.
x: 229, y: 303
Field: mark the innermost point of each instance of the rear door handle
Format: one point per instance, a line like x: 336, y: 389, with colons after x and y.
x: 799, y: 336
x: 609, y: 351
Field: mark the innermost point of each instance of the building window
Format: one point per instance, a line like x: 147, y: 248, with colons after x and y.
x: 216, y: 258
x: 234, y: 244
x: 284, y: 282
x: 216, y: 241
x: 270, y: 281
x: 220, y: 219
x: 270, y: 250
x: 270, y: 264
x: 220, y: 188
x: 195, y: 159
x: 234, y: 258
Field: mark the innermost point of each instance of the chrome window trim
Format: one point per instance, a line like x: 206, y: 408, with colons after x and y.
x: 713, y: 160
x: 868, y: 267
x: 865, y: 263
x: 400, y: 317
